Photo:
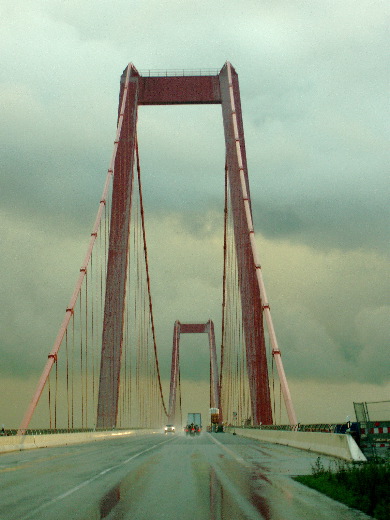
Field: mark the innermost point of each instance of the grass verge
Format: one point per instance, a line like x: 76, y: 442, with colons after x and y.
x: 363, y: 486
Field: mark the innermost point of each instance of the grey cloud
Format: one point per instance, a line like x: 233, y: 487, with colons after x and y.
x: 326, y: 223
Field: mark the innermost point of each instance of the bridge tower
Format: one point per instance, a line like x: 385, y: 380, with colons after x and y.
x: 193, y: 328
x: 220, y: 88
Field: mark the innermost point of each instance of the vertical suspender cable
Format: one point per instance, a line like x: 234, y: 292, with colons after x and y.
x: 73, y: 370
x: 86, y: 350
x: 56, y: 395
x: 49, y: 403
x: 81, y: 360
x: 67, y: 378
x: 93, y: 334
x: 223, y: 285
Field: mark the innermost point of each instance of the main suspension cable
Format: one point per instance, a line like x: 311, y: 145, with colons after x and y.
x: 147, y: 275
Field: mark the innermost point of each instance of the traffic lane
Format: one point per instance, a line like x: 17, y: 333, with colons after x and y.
x: 222, y: 477
x: 272, y: 490
x: 273, y: 458
x: 66, y: 482
x: 216, y: 476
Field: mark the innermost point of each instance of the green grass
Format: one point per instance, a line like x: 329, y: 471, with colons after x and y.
x: 362, y: 486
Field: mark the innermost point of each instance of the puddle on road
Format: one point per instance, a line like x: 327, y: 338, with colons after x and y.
x: 224, y: 492
x: 241, y: 502
x: 109, y: 501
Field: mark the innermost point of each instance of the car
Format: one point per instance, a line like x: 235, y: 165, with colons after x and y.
x: 169, y: 428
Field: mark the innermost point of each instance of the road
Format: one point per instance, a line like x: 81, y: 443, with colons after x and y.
x: 158, y: 477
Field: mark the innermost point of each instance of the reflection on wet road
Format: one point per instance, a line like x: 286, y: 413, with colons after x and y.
x: 211, y: 477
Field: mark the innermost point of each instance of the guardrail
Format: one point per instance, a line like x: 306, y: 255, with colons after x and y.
x: 325, y: 427
x: 179, y: 72
x: 48, y: 431
x: 319, y: 438
x: 372, y: 437
x: 353, y: 428
x: 51, y: 438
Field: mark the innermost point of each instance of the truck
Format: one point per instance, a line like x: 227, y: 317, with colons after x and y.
x: 194, y: 419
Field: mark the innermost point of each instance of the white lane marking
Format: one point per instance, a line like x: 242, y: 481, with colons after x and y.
x: 236, y: 457
x: 86, y: 482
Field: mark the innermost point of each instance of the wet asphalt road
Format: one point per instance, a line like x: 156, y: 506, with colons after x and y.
x: 158, y: 477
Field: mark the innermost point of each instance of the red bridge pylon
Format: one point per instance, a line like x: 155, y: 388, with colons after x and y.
x: 136, y: 90
x: 221, y: 88
x: 193, y: 328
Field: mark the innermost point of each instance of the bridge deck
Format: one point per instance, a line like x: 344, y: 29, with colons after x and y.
x: 217, y: 476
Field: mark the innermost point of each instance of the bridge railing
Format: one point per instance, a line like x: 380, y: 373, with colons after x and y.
x: 324, y: 428
x: 380, y: 428
x: 373, y: 437
x: 48, y: 431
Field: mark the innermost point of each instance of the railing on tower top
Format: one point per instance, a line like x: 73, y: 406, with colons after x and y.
x: 179, y: 72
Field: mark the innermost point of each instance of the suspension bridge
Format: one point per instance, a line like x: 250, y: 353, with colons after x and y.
x: 103, y: 372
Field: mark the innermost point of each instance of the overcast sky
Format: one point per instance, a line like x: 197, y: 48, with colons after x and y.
x: 314, y: 80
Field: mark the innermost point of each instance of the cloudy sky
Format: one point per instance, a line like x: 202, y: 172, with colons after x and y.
x: 314, y: 82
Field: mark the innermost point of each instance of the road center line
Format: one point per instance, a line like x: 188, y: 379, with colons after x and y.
x: 86, y: 482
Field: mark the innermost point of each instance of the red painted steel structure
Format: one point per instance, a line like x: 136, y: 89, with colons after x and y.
x: 252, y: 312
x: 193, y: 328
x: 114, y: 306
x: 197, y: 89
x: 137, y: 90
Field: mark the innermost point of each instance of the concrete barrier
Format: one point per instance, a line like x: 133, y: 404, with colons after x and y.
x: 28, y: 442
x: 342, y: 446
